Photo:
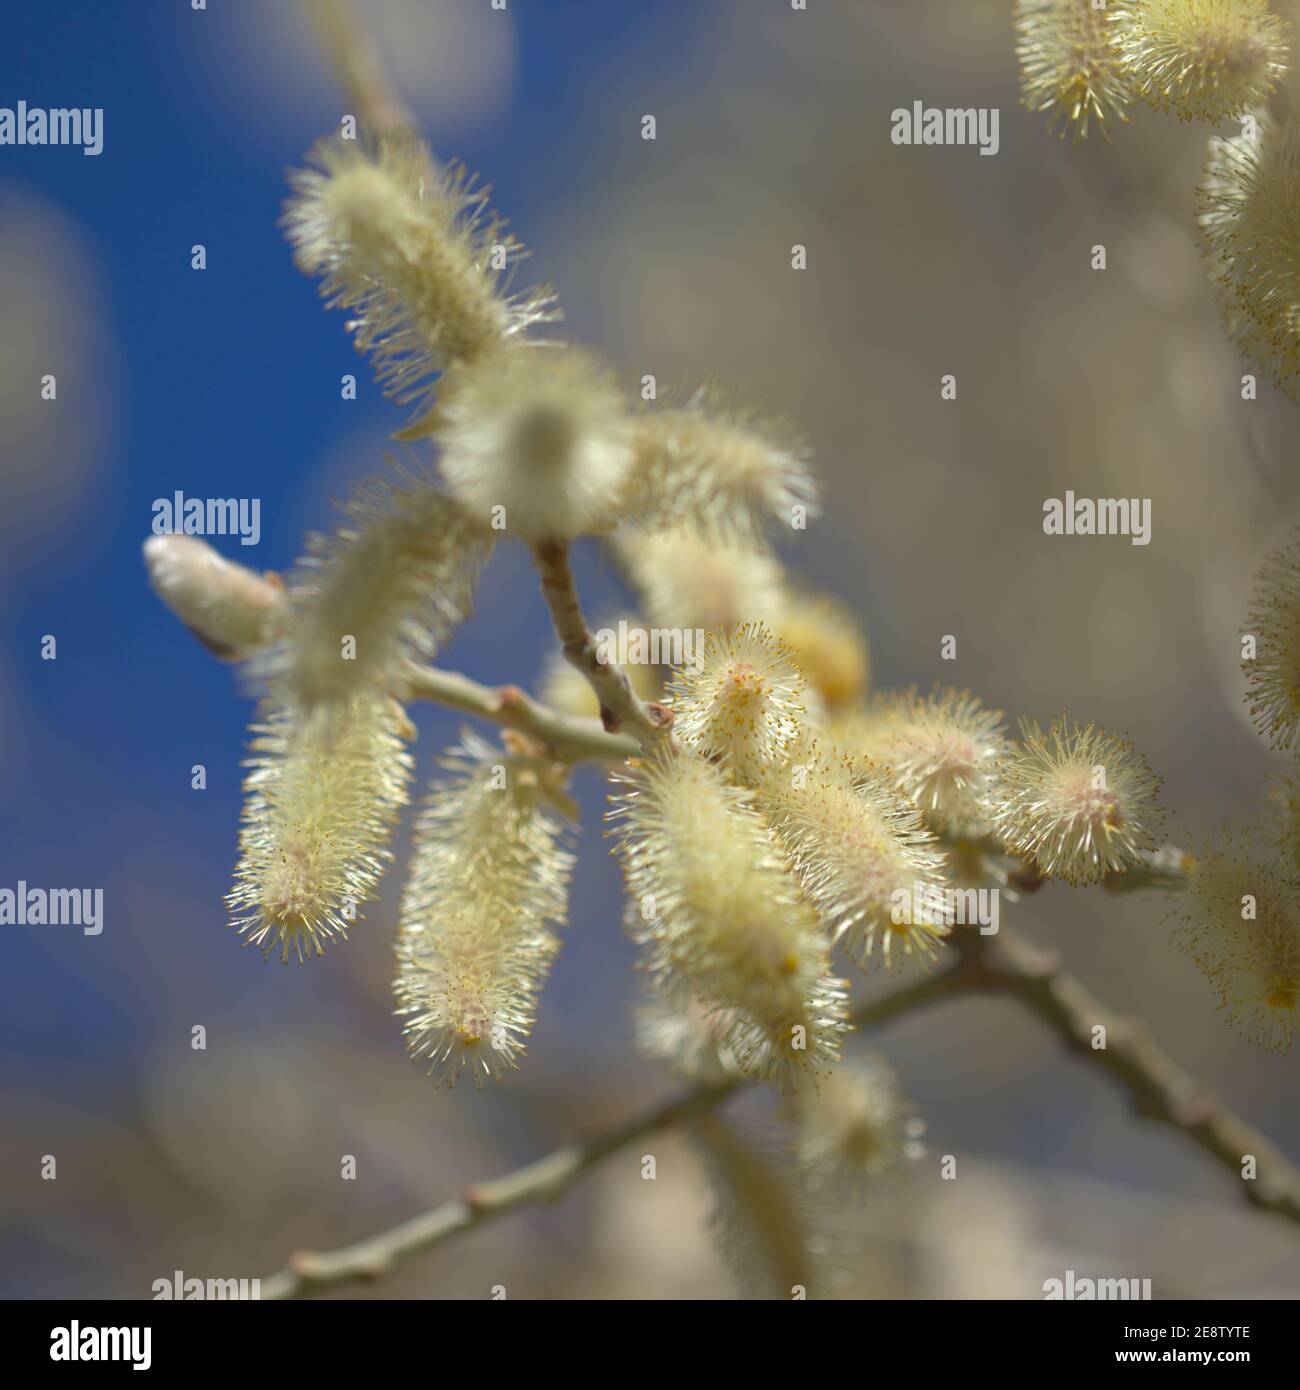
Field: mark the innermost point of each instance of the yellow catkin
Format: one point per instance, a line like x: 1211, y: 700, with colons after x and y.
x: 414, y: 254
x: 536, y: 444
x: 943, y: 750
x: 1203, y: 60
x: 1070, y: 67
x: 866, y: 862
x: 323, y: 795
x: 1078, y: 801
x: 742, y: 704
x: 487, y: 885
x: 1249, y: 213
x: 721, y: 472
x: 720, y: 917
x: 389, y: 586
x: 1237, y: 918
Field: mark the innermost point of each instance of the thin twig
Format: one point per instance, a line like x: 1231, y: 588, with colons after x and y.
x: 620, y: 707
x: 570, y: 737
x: 548, y: 1178
x: 1159, y: 1088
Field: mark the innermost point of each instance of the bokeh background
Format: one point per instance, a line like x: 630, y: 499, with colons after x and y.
x: 670, y: 257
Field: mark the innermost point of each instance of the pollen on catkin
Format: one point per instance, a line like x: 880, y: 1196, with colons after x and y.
x: 1070, y: 67
x: 415, y: 255
x: 711, y: 900
x: 1079, y: 801
x: 389, y: 586
x: 232, y: 610
x: 943, y: 749
x: 1202, y: 59
x: 857, y: 1128
x: 1238, y: 920
x: 686, y: 580
x: 724, y: 473
x: 866, y: 861
x: 487, y: 883
x: 1273, y: 675
x: 1249, y: 214
x: 742, y: 703
x: 323, y: 794
x: 536, y: 444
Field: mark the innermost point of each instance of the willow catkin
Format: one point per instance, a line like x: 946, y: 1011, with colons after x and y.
x: 1080, y: 802
x: 942, y: 749
x: 1201, y: 59
x: 866, y: 861
x: 536, y: 444
x: 720, y: 471
x: 414, y: 253
x: 719, y: 915
x: 742, y: 704
x: 488, y: 881
x: 1070, y: 66
x: 388, y: 586
x: 1249, y: 214
x: 1238, y: 920
x: 323, y: 795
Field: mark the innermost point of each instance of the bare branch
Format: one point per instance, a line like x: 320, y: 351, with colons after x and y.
x: 1159, y: 1088
x: 620, y: 706
x: 570, y: 737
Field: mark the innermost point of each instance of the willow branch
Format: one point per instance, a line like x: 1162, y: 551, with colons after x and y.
x: 570, y: 737
x: 620, y: 707
x: 547, y: 1179
x: 1159, y: 1089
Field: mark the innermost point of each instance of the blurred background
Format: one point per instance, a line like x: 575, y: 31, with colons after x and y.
x: 671, y: 258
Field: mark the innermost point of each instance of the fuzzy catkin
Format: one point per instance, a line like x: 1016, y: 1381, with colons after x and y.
x: 488, y: 881
x: 943, y: 751
x: 866, y: 862
x: 1070, y: 66
x: 323, y: 795
x: 536, y: 443
x: 1238, y: 920
x: 742, y: 705
x: 1201, y: 59
x: 711, y: 900
x: 1080, y: 802
x: 414, y: 253
x: 1249, y: 213
x: 1273, y: 672
x: 721, y: 472
x: 388, y: 586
